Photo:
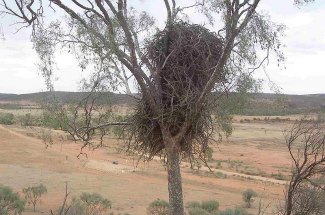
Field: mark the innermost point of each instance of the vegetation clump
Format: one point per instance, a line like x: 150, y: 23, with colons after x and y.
x: 158, y: 207
x: 89, y: 204
x: 10, y: 202
x: 248, y: 197
x: 205, y: 207
x: 6, y: 118
x: 33, y: 194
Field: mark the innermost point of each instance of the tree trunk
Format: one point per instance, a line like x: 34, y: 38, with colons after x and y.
x: 174, y: 179
x: 288, y: 209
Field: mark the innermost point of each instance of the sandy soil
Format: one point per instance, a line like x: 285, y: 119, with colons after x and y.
x: 24, y: 161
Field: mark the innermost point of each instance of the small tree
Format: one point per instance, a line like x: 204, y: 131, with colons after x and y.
x: 306, y: 145
x: 248, y: 197
x: 33, y: 194
x: 309, y: 200
x: 86, y: 204
x: 10, y: 202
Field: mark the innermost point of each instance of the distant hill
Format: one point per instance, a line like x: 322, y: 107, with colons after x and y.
x: 3, y: 96
x: 65, y: 97
x: 259, y: 103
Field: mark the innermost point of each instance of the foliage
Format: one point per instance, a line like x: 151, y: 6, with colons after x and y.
x: 197, y: 211
x: 95, y: 203
x: 176, y: 70
x: 309, y: 200
x: 209, y: 154
x: 6, y: 118
x: 248, y: 197
x: 33, y: 194
x: 28, y: 120
x: 236, y: 211
x: 89, y: 204
x: 194, y: 204
x: 210, y: 206
x: 10, y: 202
x: 158, y: 207
x: 10, y: 106
x: 306, y: 146
x: 46, y: 136
x: 54, y: 121
x: 205, y: 207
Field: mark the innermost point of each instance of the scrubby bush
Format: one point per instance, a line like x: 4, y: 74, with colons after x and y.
x: 158, y: 207
x: 26, y: 120
x: 56, y: 121
x: 194, y: 204
x: 198, y: 211
x: 210, y: 206
x: 236, y: 211
x: 95, y: 203
x: 46, y: 136
x: 219, y: 174
x: 6, y: 118
x: 209, y: 154
x: 205, y: 207
x: 89, y: 204
x: 10, y: 202
x: 248, y: 197
x: 33, y: 194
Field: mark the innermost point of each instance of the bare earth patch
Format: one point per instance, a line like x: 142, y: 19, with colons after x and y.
x: 24, y: 161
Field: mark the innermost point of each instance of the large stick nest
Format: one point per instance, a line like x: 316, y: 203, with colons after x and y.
x: 184, y: 57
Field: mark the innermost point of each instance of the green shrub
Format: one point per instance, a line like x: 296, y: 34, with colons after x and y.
x: 158, y: 207
x: 10, y: 202
x: 89, y: 204
x: 194, y: 204
x: 219, y: 174
x: 210, y: 206
x: 209, y: 154
x: 95, y: 203
x: 28, y: 120
x: 55, y: 121
x: 6, y: 118
x: 33, y: 194
x: 197, y: 211
x: 248, y: 197
x: 77, y: 208
x: 279, y: 176
x: 236, y: 211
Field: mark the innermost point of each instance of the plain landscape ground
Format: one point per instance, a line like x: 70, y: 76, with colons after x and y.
x: 254, y: 156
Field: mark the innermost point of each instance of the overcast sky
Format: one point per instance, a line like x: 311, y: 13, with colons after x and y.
x: 305, y: 52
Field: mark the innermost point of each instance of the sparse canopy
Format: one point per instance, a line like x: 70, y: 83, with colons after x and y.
x: 248, y: 197
x: 181, y: 70
x: 306, y: 145
x: 33, y: 194
x: 10, y: 202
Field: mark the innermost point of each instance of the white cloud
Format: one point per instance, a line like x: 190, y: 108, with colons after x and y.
x: 305, y: 51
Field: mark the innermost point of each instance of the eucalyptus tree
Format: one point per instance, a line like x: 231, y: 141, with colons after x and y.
x: 181, y: 70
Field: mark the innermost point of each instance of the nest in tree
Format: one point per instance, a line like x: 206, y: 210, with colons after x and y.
x: 184, y: 57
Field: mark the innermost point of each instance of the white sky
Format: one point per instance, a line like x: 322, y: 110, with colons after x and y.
x: 305, y: 52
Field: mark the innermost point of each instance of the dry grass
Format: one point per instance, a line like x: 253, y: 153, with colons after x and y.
x: 24, y: 161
